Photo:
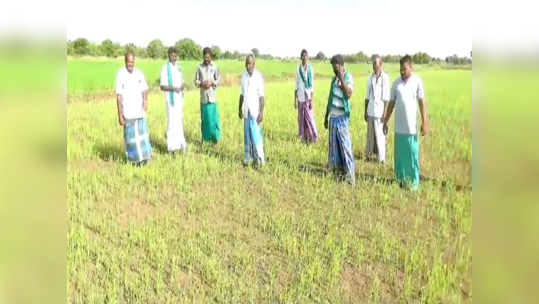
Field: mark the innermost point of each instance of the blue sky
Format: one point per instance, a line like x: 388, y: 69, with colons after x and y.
x: 284, y: 27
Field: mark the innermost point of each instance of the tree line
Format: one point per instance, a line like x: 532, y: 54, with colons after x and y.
x: 190, y: 50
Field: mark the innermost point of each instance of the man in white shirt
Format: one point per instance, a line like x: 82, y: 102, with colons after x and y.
x: 132, y: 103
x: 337, y: 120
x: 304, y: 101
x: 407, y: 92
x: 172, y: 84
x: 251, y: 110
x: 376, y: 102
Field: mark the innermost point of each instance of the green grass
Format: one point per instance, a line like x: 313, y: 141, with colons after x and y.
x: 200, y: 228
x: 95, y: 76
x: 23, y: 75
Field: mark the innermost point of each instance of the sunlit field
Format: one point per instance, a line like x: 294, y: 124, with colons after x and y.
x: 200, y: 228
x: 96, y: 76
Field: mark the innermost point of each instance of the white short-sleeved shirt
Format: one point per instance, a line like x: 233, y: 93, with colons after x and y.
x: 252, y: 88
x: 406, y: 96
x: 177, y: 81
x: 378, y: 90
x: 131, y: 86
x: 300, y: 86
x: 338, y: 107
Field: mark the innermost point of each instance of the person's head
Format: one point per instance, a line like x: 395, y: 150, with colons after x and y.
x: 129, y: 61
x: 406, y: 67
x: 250, y: 63
x: 336, y: 62
x: 173, y: 54
x: 206, y: 53
x: 304, y: 56
x: 377, y: 64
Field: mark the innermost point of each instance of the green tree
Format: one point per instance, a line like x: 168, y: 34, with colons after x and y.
x: 255, y: 52
x: 130, y: 47
x: 216, y: 52
x: 81, y: 47
x: 351, y: 59
x: 362, y: 57
x: 156, y: 50
x: 94, y: 50
x: 141, y: 52
x: 109, y: 49
x: 188, y: 49
x: 320, y: 56
x: 227, y: 55
x: 421, y: 58
x: 70, y: 48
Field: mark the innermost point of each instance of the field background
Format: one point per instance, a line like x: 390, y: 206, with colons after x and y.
x: 200, y: 228
x: 92, y: 75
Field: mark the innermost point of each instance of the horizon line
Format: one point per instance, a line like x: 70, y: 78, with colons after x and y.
x: 261, y: 53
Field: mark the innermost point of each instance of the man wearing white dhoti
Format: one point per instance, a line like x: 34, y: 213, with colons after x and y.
x: 376, y: 102
x: 172, y: 84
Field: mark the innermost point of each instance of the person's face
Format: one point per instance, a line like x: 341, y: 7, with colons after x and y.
x: 336, y: 68
x: 377, y: 66
x: 304, y: 58
x: 406, y: 70
x: 130, y: 63
x: 250, y: 65
x: 173, y: 57
x: 207, y: 59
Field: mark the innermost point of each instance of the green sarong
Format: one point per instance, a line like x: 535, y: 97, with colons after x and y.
x: 211, y: 130
x: 407, y: 161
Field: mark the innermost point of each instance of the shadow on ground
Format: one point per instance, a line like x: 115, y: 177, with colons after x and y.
x: 446, y: 184
x: 359, y: 156
x: 116, y: 154
x: 159, y: 144
x: 193, y: 139
x: 375, y: 179
x: 111, y: 153
x: 220, y: 153
x: 315, y: 170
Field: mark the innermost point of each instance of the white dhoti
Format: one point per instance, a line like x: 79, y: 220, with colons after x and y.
x: 376, y: 140
x: 175, y: 134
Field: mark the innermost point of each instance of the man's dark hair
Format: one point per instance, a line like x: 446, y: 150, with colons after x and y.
x: 406, y: 59
x: 304, y: 52
x: 337, y: 59
x: 206, y: 50
x: 172, y: 50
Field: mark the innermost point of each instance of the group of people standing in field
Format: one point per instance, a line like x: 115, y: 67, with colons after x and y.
x: 403, y: 97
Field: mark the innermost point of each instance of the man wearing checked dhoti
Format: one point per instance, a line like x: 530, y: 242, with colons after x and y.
x: 378, y: 90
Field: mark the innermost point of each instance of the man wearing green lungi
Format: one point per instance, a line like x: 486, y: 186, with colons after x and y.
x: 207, y: 80
x: 407, y: 93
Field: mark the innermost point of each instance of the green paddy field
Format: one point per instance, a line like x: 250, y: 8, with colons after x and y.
x: 200, y: 228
